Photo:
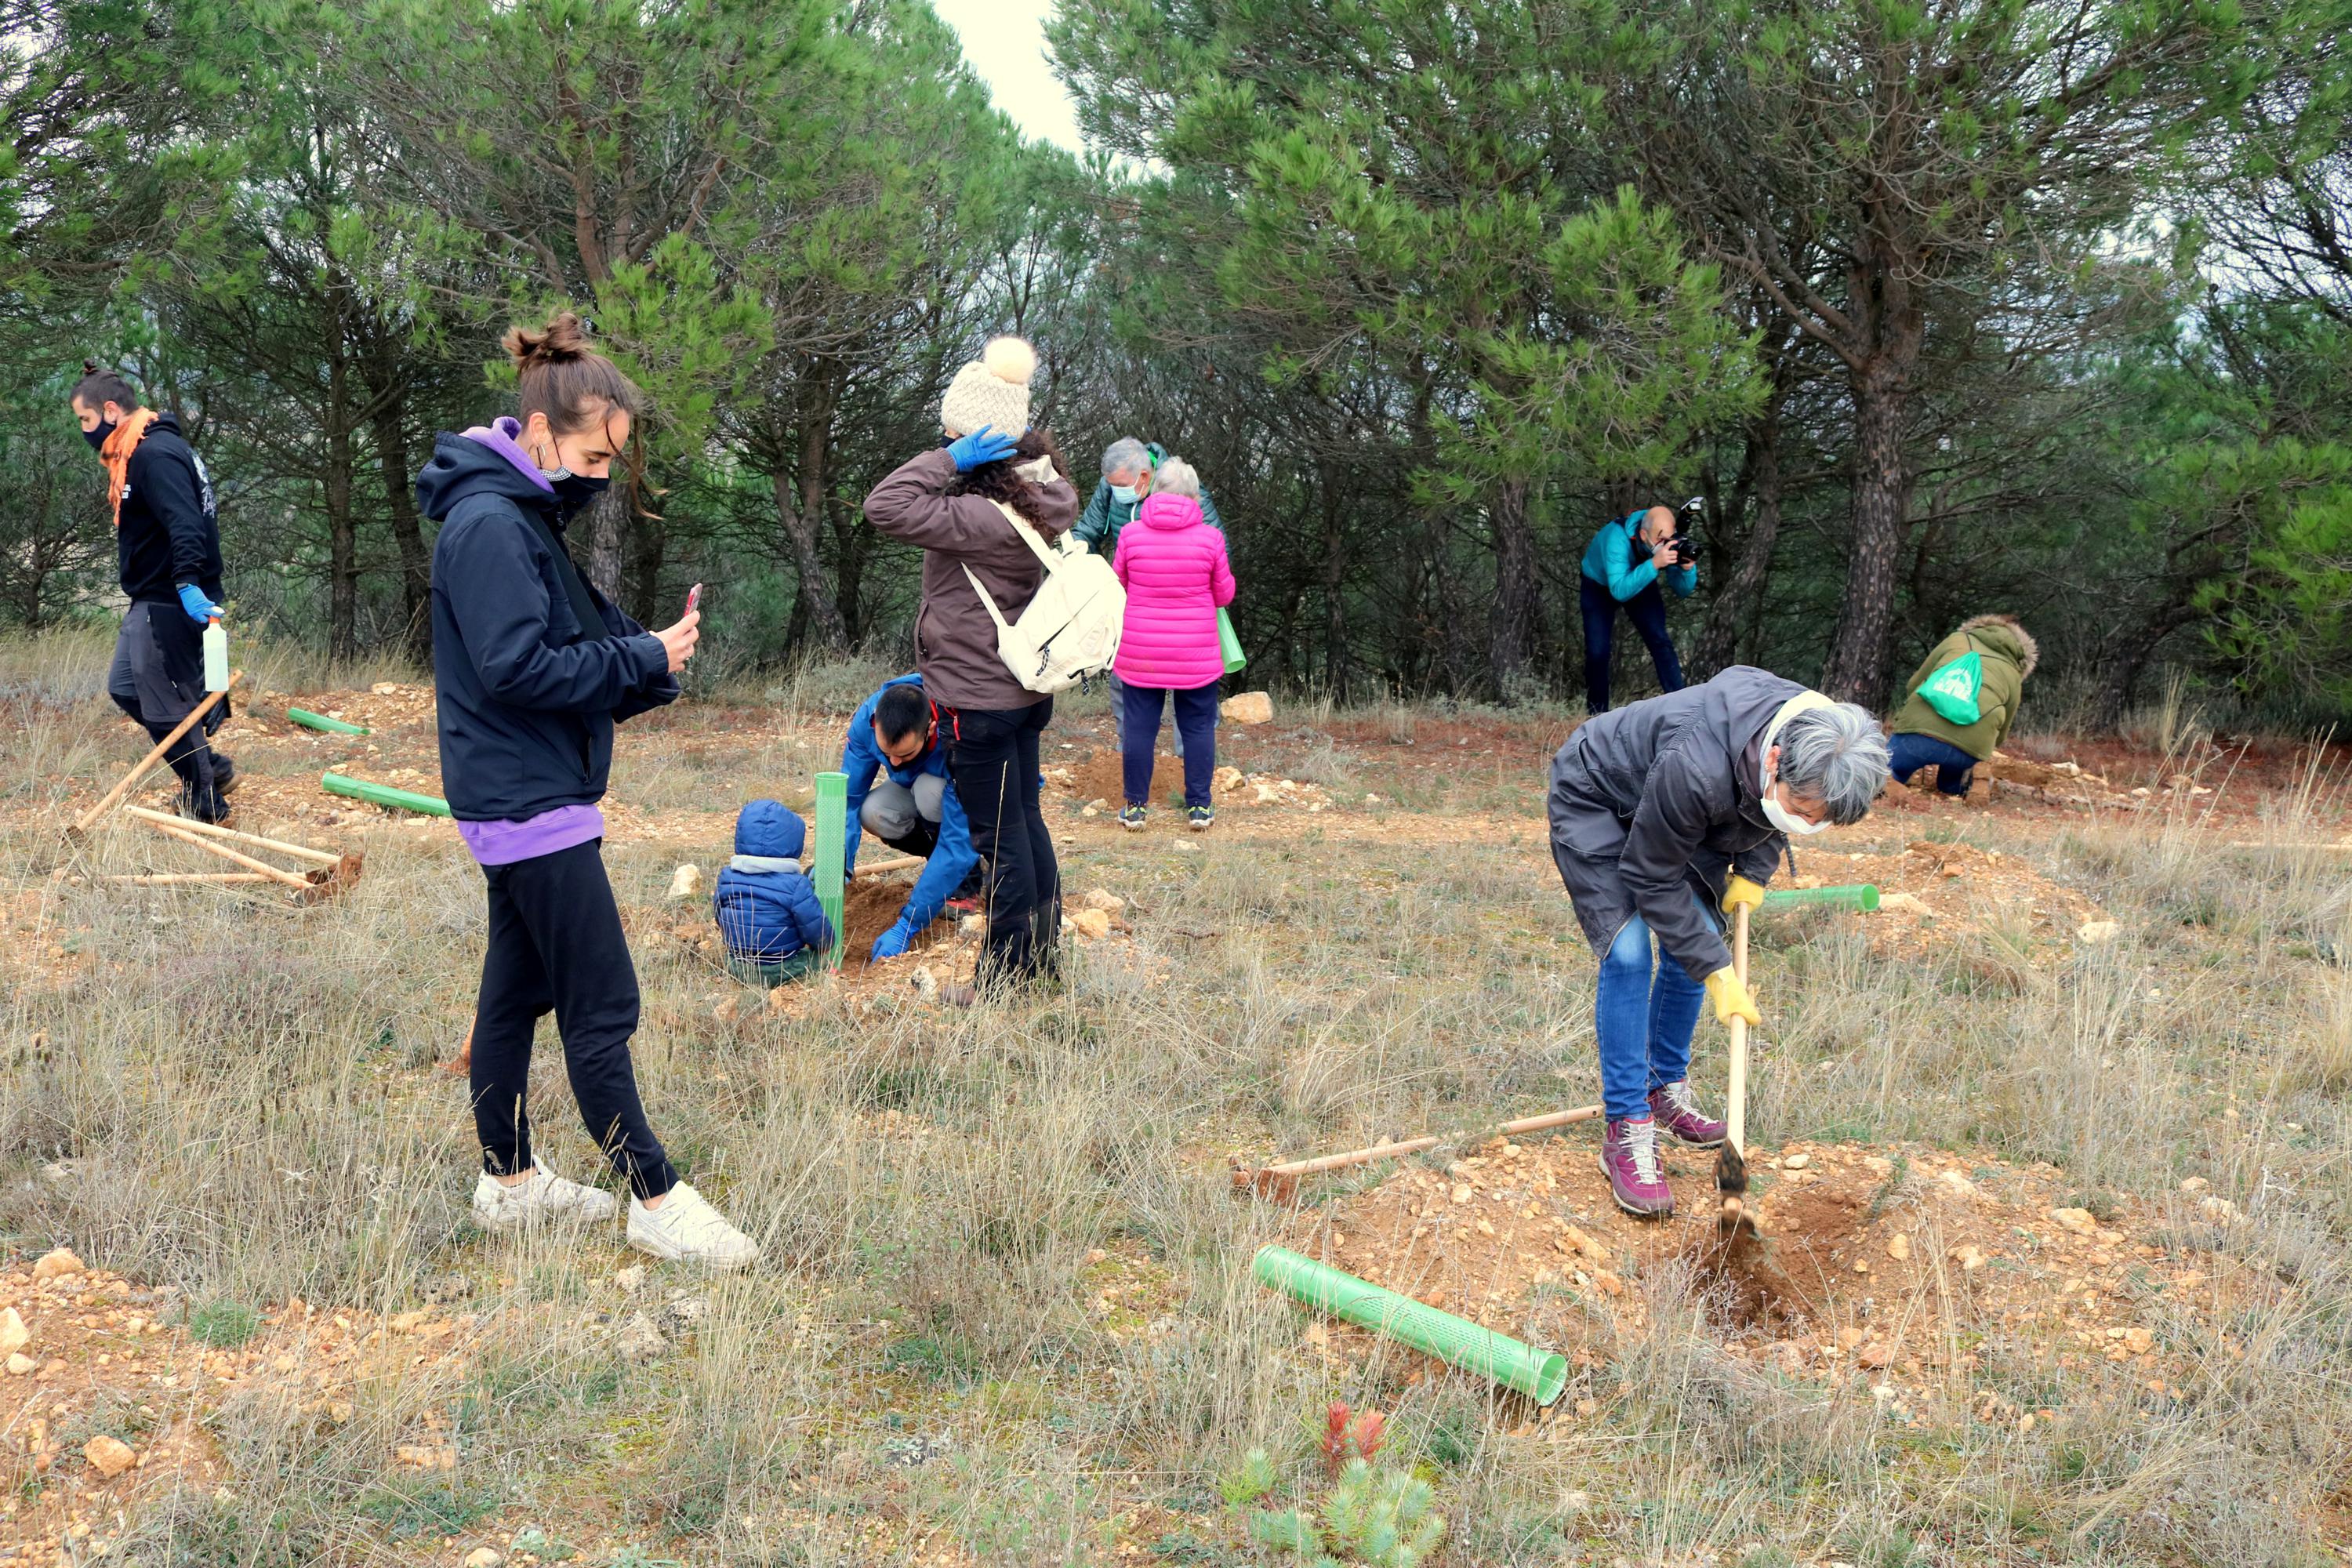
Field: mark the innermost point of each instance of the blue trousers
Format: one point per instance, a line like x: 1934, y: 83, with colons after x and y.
x: 1647, y: 610
x: 1643, y: 1012
x: 1907, y: 753
x: 1196, y: 738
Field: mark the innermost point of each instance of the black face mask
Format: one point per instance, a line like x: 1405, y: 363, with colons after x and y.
x: 574, y: 491
x: 97, y: 439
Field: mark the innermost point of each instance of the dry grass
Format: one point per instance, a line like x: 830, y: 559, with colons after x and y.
x: 929, y: 1364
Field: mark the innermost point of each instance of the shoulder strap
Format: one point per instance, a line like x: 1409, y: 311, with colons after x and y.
x: 1028, y: 536
x: 585, y: 608
x: 986, y: 602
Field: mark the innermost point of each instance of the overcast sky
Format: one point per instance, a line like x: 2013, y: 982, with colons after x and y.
x: 1005, y: 42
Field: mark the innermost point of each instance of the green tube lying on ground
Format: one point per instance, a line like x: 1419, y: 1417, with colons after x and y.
x: 1859, y: 896
x: 309, y: 721
x: 383, y: 794
x: 1456, y: 1341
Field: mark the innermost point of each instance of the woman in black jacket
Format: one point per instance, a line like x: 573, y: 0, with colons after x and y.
x: 533, y: 667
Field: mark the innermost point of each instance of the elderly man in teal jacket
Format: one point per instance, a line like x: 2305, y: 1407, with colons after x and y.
x: 1623, y: 566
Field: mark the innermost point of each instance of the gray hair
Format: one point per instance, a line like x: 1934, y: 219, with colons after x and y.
x: 1835, y: 755
x: 1174, y: 477
x: 1124, y: 456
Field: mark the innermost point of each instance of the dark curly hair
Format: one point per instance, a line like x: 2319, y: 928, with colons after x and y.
x: 998, y: 482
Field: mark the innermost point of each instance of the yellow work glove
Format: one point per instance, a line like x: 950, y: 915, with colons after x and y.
x: 1740, y: 893
x: 1731, y: 998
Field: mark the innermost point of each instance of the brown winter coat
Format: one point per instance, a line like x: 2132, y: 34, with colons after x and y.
x: 955, y: 641
x: 2007, y: 653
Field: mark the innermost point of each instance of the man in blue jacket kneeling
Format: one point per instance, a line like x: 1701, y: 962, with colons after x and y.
x: 912, y: 808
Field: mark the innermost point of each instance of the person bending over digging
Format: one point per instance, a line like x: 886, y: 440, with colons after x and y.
x: 1960, y: 704
x: 167, y: 548
x: 533, y: 668
x: 894, y: 734
x: 1664, y: 812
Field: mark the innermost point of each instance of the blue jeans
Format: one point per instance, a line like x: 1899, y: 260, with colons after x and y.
x: 1647, y: 610
x: 1196, y: 738
x: 1643, y: 1012
x: 1909, y: 752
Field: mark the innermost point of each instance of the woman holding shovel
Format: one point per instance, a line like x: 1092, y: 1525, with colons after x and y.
x: 1664, y: 812
x: 533, y: 668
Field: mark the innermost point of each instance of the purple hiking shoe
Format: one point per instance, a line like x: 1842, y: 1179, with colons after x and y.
x: 1628, y: 1154
x: 1672, y: 1104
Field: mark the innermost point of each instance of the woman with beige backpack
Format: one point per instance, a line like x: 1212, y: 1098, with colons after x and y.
x: 966, y: 505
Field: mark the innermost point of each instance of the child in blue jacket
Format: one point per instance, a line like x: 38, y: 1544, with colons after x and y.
x: 766, y: 905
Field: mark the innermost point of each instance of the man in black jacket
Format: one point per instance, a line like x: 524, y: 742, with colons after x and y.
x: 167, y: 544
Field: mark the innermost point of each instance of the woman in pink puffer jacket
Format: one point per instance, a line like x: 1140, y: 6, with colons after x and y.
x: 1177, y: 577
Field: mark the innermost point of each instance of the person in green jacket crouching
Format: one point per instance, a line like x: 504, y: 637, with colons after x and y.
x: 1961, y: 703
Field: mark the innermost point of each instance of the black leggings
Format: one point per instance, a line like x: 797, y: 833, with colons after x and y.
x: 993, y: 755
x: 556, y: 944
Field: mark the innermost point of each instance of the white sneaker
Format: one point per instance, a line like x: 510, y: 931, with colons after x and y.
x: 546, y: 1197
x: 687, y: 1227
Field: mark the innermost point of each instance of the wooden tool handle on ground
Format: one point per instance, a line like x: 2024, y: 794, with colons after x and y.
x: 1735, y: 1112
x: 188, y: 878
x: 123, y: 786
x: 902, y: 863
x: 247, y: 861
x: 214, y: 830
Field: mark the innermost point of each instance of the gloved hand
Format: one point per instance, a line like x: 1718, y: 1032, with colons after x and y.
x: 892, y: 942
x: 200, y: 609
x: 1731, y: 998
x: 1740, y: 893
x: 983, y: 446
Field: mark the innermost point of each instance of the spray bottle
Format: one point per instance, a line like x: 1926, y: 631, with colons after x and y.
x: 215, y: 657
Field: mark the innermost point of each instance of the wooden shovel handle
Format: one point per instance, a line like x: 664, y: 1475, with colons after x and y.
x: 123, y: 787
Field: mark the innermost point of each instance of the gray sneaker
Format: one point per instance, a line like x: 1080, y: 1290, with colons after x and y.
x: 686, y: 1228
x: 545, y: 1198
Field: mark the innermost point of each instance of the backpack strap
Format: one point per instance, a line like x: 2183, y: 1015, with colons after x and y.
x: 1028, y: 537
x: 986, y: 602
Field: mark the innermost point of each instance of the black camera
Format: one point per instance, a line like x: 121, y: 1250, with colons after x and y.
x: 1687, y: 516
x: 1685, y: 549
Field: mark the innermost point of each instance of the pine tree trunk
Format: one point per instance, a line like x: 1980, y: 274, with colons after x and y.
x: 342, y: 540
x: 1739, y: 595
x: 1856, y: 671
x: 1512, y: 624
x: 1335, y: 602
x: 815, y: 595
x: 597, y: 540
x: 648, y: 548
x: 407, y: 531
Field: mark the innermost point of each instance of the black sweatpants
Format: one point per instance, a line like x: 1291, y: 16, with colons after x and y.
x: 158, y: 677
x: 992, y: 755
x: 556, y: 944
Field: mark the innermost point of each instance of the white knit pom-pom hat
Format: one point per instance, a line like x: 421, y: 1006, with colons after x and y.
x: 991, y: 391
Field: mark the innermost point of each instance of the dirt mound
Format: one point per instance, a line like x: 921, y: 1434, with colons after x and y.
x: 1931, y: 889
x: 1870, y: 1258
x: 870, y: 907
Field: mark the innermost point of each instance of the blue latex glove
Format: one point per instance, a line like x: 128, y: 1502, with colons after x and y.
x: 892, y: 942
x: 983, y: 446
x: 200, y: 609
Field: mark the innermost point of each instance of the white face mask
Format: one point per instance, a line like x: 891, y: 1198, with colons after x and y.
x: 1785, y: 820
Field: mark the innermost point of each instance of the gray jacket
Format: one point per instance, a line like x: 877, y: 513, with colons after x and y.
x: 1652, y: 804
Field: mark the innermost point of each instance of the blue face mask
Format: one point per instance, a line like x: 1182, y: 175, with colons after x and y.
x: 1125, y: 495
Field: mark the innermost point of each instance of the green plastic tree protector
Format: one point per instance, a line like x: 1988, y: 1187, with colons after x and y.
x: 1858, y: 896
x: 309, y: 721
x: 383, y: 794
x: 832, y: 819
x: 1456, y: 1341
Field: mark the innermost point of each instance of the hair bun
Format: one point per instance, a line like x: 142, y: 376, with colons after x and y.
x: 1010, y: 359
x: 564, y: 338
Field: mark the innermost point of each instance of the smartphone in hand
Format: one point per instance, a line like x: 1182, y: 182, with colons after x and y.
x: 694, y: 598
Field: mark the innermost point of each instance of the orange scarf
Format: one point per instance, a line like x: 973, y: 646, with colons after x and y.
x: 117, y: 453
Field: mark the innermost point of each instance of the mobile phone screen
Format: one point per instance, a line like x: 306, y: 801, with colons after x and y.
x: 694, y: 598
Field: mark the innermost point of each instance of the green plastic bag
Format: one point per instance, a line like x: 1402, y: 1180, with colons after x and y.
x: 1953, y: 690
x: 1228, y: 644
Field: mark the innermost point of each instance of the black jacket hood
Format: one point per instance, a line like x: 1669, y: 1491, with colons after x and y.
x: 462, y: 466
